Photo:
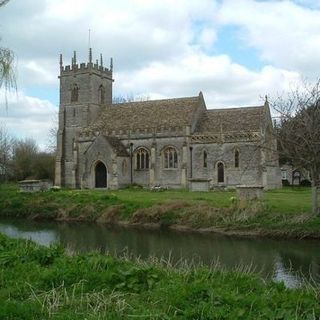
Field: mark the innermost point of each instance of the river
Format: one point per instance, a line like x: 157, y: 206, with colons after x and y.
x: 290, y: 261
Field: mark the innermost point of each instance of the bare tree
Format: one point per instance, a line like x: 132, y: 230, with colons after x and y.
x: 129, y: 98
x: 298, y: 131
x: 24, y: 156
x: 43, y: 165
x: 51, y: 146
x: 6, y: 142
x: 3, y: 2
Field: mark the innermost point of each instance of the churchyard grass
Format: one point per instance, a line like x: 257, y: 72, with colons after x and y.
x: 39, y: 282
x: 282, y: 213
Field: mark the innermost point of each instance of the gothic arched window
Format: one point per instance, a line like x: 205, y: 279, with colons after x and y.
x: 220, y: 169
x: 236, y: 158
x: 102, y: 94
x: 74, y: 93
x: 205, y: 158
x: 170, y: 158
x: 142, y: 159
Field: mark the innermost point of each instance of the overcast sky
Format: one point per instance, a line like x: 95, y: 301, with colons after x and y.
x: 234, y: 51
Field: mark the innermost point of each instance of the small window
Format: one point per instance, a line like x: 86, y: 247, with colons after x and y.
x: 220, y: 168
x: 102, y: 93
x: 170, y: 158
x: 205, y: 156
x: 142, y: 159
x: 124, y: 167
x: 236, y: 158
x: 74, y: 93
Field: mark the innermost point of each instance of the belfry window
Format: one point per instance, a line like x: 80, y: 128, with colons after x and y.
x: 102, y: 94
x: 74, y: 93
x: 236, y: 158
x: 142, y: 159
x: 170, y: 158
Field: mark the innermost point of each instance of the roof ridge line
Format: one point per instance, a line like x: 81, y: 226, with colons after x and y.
x: 155, y: 100
x: 237, y: 108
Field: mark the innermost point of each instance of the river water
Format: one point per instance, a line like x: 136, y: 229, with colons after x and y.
x: 290, y: 261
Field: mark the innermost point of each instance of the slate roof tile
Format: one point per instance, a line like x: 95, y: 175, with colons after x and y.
x: 231, y: 120
x: 148, y: 114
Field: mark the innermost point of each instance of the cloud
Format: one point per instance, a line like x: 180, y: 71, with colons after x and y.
x: 161, y: 48
x: 223, y: 82
x: 28, y: 117
x: 138, y: 32
x: 287, y: 35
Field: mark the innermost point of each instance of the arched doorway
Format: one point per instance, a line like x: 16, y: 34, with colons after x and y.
x: 220, y: 167
x: 100, y: 175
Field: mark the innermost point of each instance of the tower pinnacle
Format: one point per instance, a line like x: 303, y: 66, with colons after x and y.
x: 101, y: 61
x: 61, y: 62
x: 90, y: 55
x: 111, y: 64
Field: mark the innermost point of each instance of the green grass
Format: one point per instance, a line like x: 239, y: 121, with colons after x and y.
x: 148, y: 198
x: 44, y: 283
x: 282, y: 213
x: 289, y: 200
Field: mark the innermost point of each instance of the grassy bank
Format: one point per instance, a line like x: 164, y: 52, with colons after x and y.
x: 44, y: 283
x: 282, y: 213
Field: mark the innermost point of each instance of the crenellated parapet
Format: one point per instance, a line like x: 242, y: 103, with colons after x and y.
x: 230, y: 137
x: 97, y: 67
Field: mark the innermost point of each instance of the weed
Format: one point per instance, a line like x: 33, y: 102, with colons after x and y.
x: 96, y: 286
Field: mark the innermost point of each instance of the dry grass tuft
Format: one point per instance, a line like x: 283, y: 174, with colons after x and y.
x: 96, y: 303
x: 111, y: 214
x: 156, y: 213
x: 301, y: 218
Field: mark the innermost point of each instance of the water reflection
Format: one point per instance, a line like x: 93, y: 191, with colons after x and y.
x: 288, y: 261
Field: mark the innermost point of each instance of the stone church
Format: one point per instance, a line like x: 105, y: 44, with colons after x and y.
x: 175, y: 143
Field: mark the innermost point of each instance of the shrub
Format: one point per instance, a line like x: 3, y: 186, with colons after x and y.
x: 305, y: 183
x: 285, y: 183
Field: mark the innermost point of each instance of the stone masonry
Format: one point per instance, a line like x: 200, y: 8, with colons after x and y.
x: 169, y: 142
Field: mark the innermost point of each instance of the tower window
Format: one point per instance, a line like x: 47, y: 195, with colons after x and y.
x: 236, y: 158
x: 142, y: 159
x: 170, y: 158
x: 102, y: 93
x: 74, y: 93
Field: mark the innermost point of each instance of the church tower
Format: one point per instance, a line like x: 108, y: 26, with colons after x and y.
x: 84, y: 89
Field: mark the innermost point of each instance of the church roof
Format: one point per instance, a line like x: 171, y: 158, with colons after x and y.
x: 148, y: 114
x: 117, y: 146
x: 231, y: 120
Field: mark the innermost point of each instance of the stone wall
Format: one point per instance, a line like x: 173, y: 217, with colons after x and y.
x: 199, y: 185
x: 157, y: 174
x: 248, y: 172
x: 76, y: 115
x: 98, y: 150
